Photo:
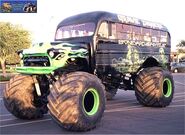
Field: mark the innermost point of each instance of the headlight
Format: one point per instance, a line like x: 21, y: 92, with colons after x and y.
x: 56, y: 53
x: 51, y: 54
x: 21, y: 55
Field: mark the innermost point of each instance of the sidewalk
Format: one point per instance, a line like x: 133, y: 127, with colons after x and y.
x: 9, y: 74
x: 4, y: 82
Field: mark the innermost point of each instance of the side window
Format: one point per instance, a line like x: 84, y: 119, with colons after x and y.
x: 103, y: 30
x: 163, y: 36
x: 123, y: 31
x: 136, y: 33
x: 155, y: 36
x: 168, y: 38
x: 113, y: 31
x: 146, y: 34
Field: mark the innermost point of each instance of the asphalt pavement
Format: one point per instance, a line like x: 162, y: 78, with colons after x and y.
x: 123, y: 115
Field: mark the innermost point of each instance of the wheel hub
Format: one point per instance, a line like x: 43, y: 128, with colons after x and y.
x: 91, y: 101
x: 167, y: 87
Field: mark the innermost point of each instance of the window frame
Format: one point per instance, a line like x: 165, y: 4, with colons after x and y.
x: 140, y: 37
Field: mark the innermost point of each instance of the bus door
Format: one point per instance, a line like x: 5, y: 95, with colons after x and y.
x: 110, y: 55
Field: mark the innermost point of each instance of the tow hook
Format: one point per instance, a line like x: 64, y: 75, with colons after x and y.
x: 36, y: 85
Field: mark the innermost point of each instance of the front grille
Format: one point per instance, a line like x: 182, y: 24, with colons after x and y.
x: 36, y: 61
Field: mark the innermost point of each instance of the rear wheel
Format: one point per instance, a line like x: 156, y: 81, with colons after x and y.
x: 77, y: 101
x: 20, y: 98
x: 154, y: 87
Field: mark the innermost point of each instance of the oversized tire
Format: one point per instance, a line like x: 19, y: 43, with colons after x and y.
x: 77, y: 101
x: 154, y: 87
x: 110, y: 92
x: 20, y: 98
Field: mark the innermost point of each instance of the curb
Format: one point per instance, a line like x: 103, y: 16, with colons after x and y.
x: 4, y: 82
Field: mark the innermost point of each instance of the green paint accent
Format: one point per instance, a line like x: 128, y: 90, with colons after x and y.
x: 35, y: 70
x: 65, y: 52
x: 169, y: 87
x: 96, y: 101
x: 36, y: 49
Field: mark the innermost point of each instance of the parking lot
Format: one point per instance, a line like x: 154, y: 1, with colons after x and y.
x: 123, y: 115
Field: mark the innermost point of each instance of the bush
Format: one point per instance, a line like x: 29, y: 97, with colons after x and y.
x: 9, y: 69
x: 2, y: 78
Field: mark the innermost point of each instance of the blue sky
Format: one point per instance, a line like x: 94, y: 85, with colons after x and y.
x: 42, y: 25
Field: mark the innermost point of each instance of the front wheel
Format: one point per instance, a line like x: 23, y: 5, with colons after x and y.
x: 20, y: 98
x: 154, y: 87
x: 77, y: 101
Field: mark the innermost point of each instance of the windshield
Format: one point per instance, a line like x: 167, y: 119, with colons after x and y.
x: 76, y: 30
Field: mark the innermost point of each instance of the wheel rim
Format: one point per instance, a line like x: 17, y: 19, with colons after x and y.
x: 167, y: 87
x: 91, y: 101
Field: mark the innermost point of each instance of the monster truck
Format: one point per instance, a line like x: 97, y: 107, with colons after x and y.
x: 94, y: 54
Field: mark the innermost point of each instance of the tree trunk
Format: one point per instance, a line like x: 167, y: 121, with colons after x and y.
x: 3, y: 68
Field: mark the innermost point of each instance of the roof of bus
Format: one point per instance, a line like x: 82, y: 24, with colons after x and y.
x: 102, y: 15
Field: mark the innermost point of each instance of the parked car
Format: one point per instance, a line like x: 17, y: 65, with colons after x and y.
x: 178, y: 67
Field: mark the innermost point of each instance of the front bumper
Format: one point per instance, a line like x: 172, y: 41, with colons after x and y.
x: 35, y: 70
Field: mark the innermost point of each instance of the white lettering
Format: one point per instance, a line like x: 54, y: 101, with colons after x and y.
x: 127, y: 19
